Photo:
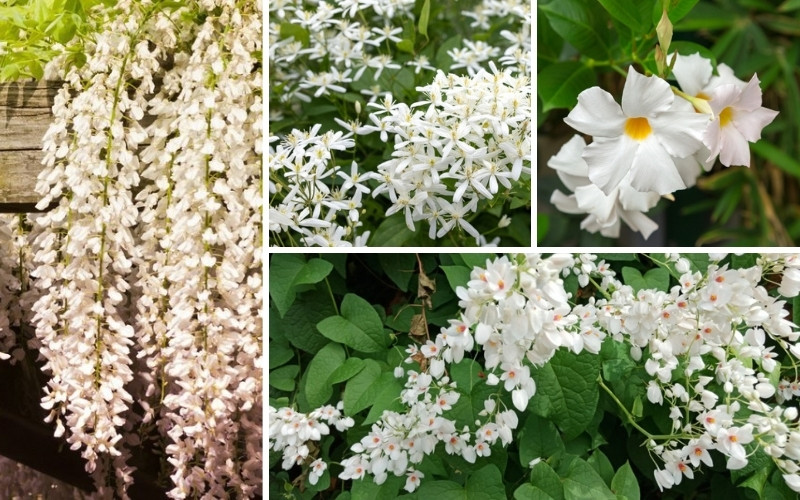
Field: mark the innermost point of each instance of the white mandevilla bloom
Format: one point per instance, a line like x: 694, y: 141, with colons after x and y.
x: 640, y: 138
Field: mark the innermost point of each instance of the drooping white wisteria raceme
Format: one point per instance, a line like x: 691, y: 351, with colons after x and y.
x: 141, y: 289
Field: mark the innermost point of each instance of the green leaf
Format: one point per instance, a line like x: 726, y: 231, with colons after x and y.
x: 299, y: 325
x: 625, y: 484
x: 539, y: 438
x: 545, y: 478
x: 632, y: 13
x: 789, y: 5
x: 443, y: 59
x: 600, y: 463
x: 387, y: 389
x: 484, y: 484
x: 399, y: 267
x: 405, y: 45
x: 582, y: 24
x: 348, y: 370
x: 676, y: 10
x: 392, y: 232
x: 777, y: 157
x: 356, y: 387
x: 699, y: 261
x: 424, y: 17
x: 456, y: 275
x: 295, y: 31
x: 358, y: 327
x: 567, y: 390
x: 286, y: 271
x: 473, y: 390
x: 560, y: 84
x: 477, y: 259
x: 279, y: 353
x: 578, y: 478
x: 657, y: 278
x: 530, y: 492
x: 284, y: 377
x: 326, y: 361
x: 542, y: 226
x: 366, y: 489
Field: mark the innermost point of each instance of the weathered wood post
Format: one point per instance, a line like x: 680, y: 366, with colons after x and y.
x: 24, y: 117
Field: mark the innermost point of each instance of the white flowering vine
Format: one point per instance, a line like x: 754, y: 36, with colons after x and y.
x: 144, y: 281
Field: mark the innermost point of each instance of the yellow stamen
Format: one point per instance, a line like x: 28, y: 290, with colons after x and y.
x: 638, y: 129
x: 725, y: 116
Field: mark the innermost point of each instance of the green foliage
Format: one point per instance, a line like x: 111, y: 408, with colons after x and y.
x: 30, y: 28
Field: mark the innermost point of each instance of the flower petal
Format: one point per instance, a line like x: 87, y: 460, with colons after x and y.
x: 734, y: 149
x: 750, y: 124
x: 692, y: 72
x: 679, y: 132
x: 645, y: 95
x: 567, y: 204
x: 654, y: 170
x: 639, y: 222
x: 593, y: 201
x: 609, y: 160
x: 596, y: 114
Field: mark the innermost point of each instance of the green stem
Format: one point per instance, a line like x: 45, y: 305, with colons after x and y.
x: 631, y: 419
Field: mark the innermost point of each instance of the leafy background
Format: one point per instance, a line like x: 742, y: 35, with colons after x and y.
x: 578, y: 43
x: 587, y: 449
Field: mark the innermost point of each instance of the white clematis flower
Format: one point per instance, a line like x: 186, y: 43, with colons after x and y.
x: 639, y: 138
x: 605, y: 211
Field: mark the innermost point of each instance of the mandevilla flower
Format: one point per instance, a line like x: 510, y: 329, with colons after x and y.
x: 641, y: 137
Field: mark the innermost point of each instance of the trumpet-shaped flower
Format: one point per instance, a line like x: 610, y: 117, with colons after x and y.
x: 605, y: 211
x: 641, y: 138
x: 739, y: 119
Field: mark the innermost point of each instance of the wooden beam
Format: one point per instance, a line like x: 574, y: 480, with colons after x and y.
x: 25, y: 115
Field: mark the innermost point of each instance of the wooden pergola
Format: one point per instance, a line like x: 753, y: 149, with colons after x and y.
x: 24, y: 117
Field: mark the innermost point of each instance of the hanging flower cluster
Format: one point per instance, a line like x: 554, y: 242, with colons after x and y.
x: 718, y: 349
x: 146, y: 275
x: 471, y: 143
x: 656, y: 142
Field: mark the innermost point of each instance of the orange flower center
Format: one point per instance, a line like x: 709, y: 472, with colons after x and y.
x: 725, y: 116
x: 638, y: 128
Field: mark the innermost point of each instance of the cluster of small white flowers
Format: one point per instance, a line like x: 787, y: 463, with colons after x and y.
x: 477, y: 54
x: 470, y: 143
x: 296, y: 435
x: 654, y: 144
x: 349, y: 35
x: 85, y: 250
x: 167, y: 270
x: 201, y: 278
x: 487, y: 144
x: 16, y: 295
x: 724, y: 314
x: 398, y: 442
x: 713, y: 345
x: 321, y: 214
